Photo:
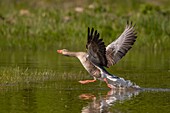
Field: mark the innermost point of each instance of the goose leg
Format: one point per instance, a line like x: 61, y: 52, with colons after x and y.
x: 109, y: 85
x: 87, y: 81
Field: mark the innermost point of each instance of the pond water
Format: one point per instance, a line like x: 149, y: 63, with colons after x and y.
x: 148, y: 69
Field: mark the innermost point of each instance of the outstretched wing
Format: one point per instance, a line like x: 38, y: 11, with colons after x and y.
x: 118, y: 48
x: 96, y: 48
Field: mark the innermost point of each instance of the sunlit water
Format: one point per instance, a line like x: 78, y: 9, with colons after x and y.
x: 149, y: 70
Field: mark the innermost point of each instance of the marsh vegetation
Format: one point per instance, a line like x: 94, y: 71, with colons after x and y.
x: 47, y: 25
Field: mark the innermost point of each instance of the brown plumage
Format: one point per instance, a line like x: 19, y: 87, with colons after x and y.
x: 96, y: 48
x: 99, y: 56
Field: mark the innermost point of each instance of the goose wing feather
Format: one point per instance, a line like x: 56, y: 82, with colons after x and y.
x: 96, y: 48
x: 118, y: 48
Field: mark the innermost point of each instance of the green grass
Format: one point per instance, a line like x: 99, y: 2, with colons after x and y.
x: 46, y: 25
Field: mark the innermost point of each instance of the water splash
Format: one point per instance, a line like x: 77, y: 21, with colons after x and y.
x: 121, y: 83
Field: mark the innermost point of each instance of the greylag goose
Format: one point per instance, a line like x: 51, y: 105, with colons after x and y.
x: 99, y: 56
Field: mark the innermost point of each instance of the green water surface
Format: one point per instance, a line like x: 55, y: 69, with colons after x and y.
x: 58, y: 91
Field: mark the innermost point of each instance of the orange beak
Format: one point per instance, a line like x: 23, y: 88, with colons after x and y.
x: 59, y: 51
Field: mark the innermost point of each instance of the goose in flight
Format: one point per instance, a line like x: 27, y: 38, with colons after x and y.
x: 98, y: 56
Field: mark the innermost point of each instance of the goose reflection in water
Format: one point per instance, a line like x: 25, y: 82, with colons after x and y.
x: 103, y: 103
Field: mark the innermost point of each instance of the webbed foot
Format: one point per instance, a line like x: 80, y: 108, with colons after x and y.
x: 86, y: 81
x: 109, y: 85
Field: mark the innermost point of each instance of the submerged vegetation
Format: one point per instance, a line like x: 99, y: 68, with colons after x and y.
x: 44, y: 25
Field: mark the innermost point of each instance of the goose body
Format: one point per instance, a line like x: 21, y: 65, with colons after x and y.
x: 98, y: 56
